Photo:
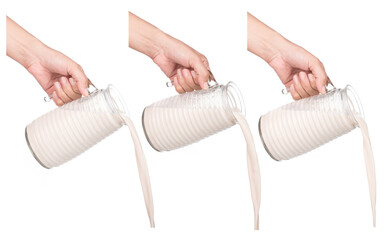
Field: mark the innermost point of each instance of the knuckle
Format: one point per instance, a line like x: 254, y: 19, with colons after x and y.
x: 78, y: 66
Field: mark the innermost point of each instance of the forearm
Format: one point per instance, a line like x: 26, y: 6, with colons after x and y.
x: 263, y: 40
x: 21, y: 45
x: 144, y: 37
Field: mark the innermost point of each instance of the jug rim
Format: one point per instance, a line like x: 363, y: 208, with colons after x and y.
x: 116, y: 101
x: 234, y: 98
x: 353, y: 102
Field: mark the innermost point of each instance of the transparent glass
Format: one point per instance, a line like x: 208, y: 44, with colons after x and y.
x: 67, y: 131
x: 301, y: 126
x: 183, y: 119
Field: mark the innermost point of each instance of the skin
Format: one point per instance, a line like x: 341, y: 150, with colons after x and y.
x: 301, y: 72
x: 60, y: 77
x: 184, y: 66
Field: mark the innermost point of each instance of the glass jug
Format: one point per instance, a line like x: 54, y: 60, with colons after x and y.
x: 65, y: 132
x: 301, y: 126
x: 183, y: 119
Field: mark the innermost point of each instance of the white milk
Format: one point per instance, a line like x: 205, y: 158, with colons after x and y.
x: 60, y: 135
x: 169, y: 128
x: 253, y: 166
x: 287, y: 133
x: 172, y: 128
x: 64, y: 133
x: 143, y: 170
x: 369, y: 164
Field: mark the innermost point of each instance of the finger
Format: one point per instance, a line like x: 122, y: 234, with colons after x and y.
x: 61, y: 94
x: 177, y: 86
x: 312, y: 81
x: 57, y: 100
x: 78, y: 75
x: 182, y: 81
x: 67, y: 88
x: 295, y: 95
x: 194, y: 77
x: 50, y: 90
x: 189, y: 79
x: 74, y: 86
x: 304, y: 81
x: 320, y: 75
x: 205, y: 62
x: 299, y: 89
x: 201, y: 72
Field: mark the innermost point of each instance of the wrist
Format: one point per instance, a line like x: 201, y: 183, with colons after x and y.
x: 32, y: 51
x: 144, y: 37
x: 24, y: 50
x: 268, y: 46
x: 159, y: 41
x: 21, y: 45
x: 263, y: 40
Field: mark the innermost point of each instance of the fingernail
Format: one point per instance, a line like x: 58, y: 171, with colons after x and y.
x: 193, y: 74
x: 205, y: 85
x: 323, y: 90
x: 73, y: 83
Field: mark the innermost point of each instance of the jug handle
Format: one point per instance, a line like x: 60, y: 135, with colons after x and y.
x: 287, y: 90
x: 210, y: 80
x: 49, y: 97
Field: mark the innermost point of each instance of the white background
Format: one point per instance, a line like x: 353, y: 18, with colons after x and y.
x: 200, y: 191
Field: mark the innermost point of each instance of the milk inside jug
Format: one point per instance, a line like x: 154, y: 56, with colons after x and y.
x: 65, y: 132
x: 184, y: 119
x: 301, y: 126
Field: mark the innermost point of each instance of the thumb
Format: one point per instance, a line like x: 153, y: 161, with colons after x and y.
x: 77, y: 73
x: 201, y: 72
x: 320, y: 75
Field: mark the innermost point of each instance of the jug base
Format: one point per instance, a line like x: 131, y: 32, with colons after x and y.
x: 33, y: 153
x: 262, y: 140
x: 145, y: 132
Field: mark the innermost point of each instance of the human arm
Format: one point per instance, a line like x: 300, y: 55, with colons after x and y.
x: 299, y: 70
x: 60, y: 77
x: 184, y: 66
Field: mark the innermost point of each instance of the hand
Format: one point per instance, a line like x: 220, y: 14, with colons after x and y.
x: 59, y: 76
x: 185, y: 67
x: 298, y: 69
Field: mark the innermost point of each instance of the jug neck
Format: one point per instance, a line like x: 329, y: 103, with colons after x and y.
x: 233, y: 99
x: 352, y: 103
x: 115, y: 102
